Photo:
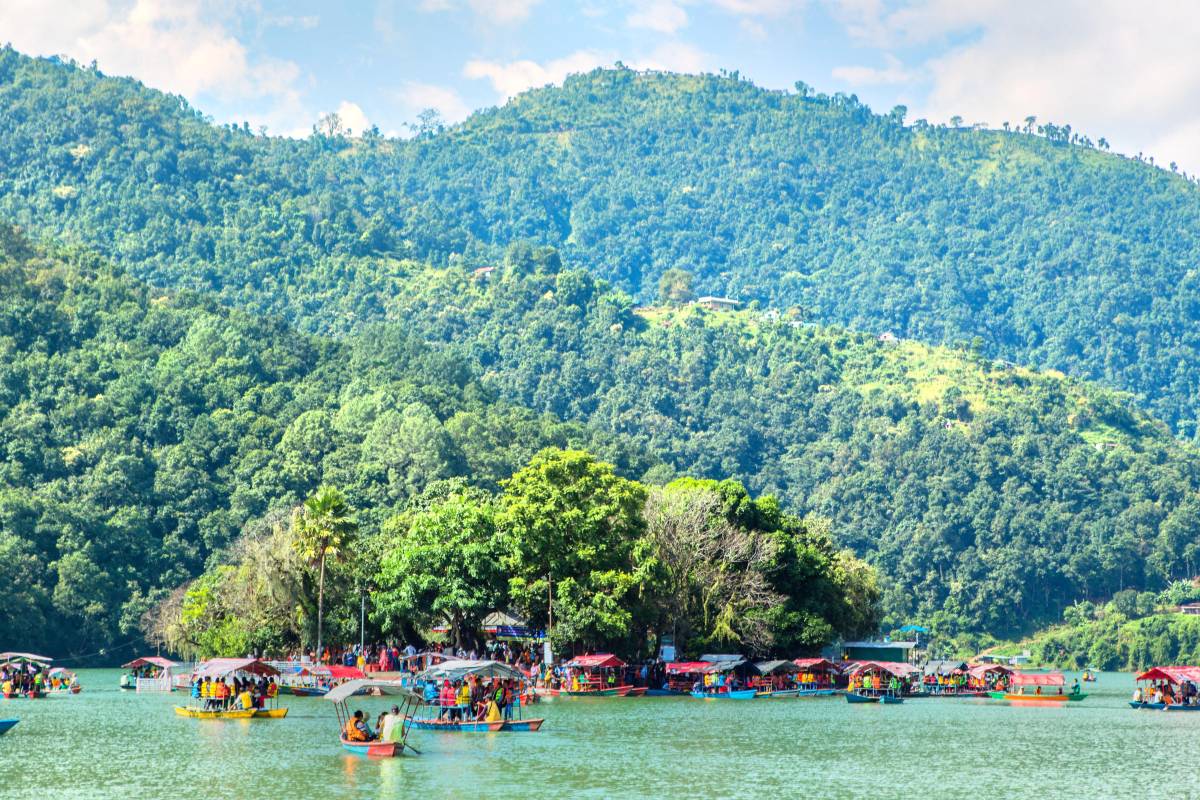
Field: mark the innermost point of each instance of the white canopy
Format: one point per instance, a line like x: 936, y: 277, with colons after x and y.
x: 344, y: 691
x: 458, y: 669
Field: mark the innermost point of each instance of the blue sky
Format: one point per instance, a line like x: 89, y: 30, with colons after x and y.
x: 1128, y: 72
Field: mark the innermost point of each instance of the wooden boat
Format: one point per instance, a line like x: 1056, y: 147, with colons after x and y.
x: 200, y: 713
x: 530, y: 725
x: 816, y: 692
x: 855, y: 697
x: 338, y: 695
x: 7, y: 725
x: 1037, y: 698
x: 891, y: 699
x: 373, y: 749
x: 270, y: 713
x: 614, y: 691
x: 666, y: 693
x: 778, y: 693
x: 31, y: 695
x: 308, y: 691
x: 738, y: 694
x: 636, y: 691
x: 1163, y: 706
x: 469, y: 726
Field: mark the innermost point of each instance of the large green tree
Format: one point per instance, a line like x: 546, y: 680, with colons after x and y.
x: 323, y: 528
x: 573, y: 526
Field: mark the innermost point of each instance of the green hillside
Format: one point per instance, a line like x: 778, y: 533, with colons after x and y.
x: 990, y: 496
x: 1051, y: 252
x: 140, y: 431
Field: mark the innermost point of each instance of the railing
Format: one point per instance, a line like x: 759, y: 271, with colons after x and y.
x: 162, y: 684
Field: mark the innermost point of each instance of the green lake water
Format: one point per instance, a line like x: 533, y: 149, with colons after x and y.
x: 105, y: 743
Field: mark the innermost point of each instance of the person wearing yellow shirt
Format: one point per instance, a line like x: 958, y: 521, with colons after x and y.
x: 6, y: 688
x: 245, y: 701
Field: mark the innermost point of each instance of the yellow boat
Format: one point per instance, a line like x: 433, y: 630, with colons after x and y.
x: 270, y: 713
x: 199, y: 713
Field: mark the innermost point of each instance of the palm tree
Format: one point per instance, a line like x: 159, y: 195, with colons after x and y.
x: 321, y: 528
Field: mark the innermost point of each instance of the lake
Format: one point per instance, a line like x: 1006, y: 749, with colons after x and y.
x: 106, y: 743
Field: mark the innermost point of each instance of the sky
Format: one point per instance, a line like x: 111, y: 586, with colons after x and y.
x: 1127, y: 71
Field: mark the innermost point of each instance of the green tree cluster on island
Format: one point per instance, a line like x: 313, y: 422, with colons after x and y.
x: 611, y: 563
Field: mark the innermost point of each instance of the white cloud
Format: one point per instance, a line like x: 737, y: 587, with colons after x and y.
x: 759, y: 8
x: 1129, y: 72
x: 663, y: 16
x: 674, y: 57
x: 894, y: 72
x: 447, y: 102
x: 178, y: 46
x: 503, y: 12
x: 514, y: 77
x: 353, y: 117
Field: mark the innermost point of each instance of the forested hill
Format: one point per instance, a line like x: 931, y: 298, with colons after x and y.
x: 141, y: 430
x: 989, y: 496
x: 1050, y: 253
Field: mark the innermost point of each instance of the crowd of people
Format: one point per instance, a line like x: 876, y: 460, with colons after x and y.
x: 30, y: 679
x: 473, y: 699
x: 223, y: 694
x: 1163, y: 693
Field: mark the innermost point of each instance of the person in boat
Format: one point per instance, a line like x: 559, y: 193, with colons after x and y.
x: 357, y: 729
x: 245, y: 700
x: 464, y: 699
x: 1137, y: 694
x: 1075, y: 687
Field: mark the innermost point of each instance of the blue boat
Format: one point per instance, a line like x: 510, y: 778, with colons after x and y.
x: 891, y: 699
x: 740, y: 694
x: 1163, y: 706
x: 855, y: 697
x: 6, y: 725
x: 816, y: 692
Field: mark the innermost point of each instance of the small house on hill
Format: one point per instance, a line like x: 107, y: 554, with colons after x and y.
x: 889, y: 338
x: 1190, y: 608
x: 483, y: 273
x: 718, y: 303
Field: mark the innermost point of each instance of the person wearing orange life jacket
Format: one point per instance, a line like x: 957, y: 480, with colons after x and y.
x: 357, y: 729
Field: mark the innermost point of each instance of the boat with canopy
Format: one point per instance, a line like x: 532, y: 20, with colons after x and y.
x: 680, y: 677
x: 452, y: 717
x: 725, y: 678
x: 879, y: 681
x: 817, y: 677
x: 377, y: 748
x: 317, y: 680
x: 1169, y: 689
x: 220, y: 669
x: 23, y: 675
x: 149, y: 674
x: 1036, y: 687
x: 595, y: 676
x: 63, y: 682
x: 776, y: 679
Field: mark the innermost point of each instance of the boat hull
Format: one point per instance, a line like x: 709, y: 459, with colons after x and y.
x: 616, y: 691
x: 816, y: 692
x: 779, y: 693
x: 7, y: 725
x: 740, y: 694
x: 305, y: 691
x: 890, y: 700
x: 198, y: 713
x: 665, y: 693
x: 1037, y: 698
x: 1163, y: 706
x: 270, y: 713
x: 472, y: 726
x: 374, y: 749
x: 855, y: 697
x: 529, y: 725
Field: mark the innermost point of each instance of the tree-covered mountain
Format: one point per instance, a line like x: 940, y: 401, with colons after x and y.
x: 1049, y: 251
x: 140, y: 431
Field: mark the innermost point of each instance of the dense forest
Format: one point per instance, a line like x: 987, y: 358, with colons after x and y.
x: 1050, y: 251
x: 212, y: 324
x: 140, y: 432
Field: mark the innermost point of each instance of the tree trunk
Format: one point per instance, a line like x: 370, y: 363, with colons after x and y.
x: 320, y: 609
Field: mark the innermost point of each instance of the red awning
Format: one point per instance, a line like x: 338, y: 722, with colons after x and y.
x: 900, y: 670
x: 1037, y: 679
x: 1171, y: 674
x: 816, y: 664
x: 219, y: 667
x: 150, y: 661
x: 337, y: 672
x: 687, y: 667
x: 597, y: 661
x: 980, y: 670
